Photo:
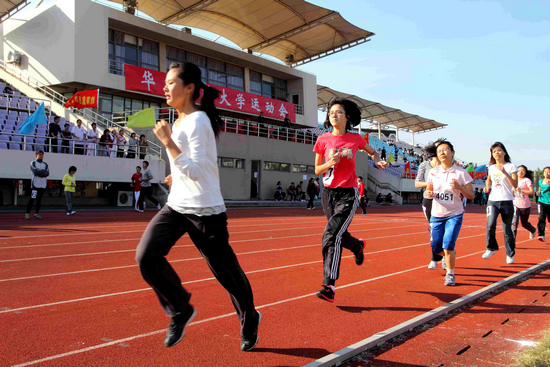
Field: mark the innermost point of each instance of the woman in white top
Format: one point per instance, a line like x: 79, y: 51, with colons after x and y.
x: 522, y: 204
x: 501, y: 181
x: 195, y: 206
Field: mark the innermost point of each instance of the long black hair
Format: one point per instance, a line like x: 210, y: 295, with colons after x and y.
x: 190, y: 73
x: 353, y: 113
x: 501, y: 146
x: 528, y: 174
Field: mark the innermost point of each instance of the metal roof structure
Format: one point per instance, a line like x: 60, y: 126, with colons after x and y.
x: 380, y: 113
x: 293, y: 31
x: 10, y: 7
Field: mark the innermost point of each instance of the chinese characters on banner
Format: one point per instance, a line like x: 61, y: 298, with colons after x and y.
x: 83, y: 99
x: 152, y: 82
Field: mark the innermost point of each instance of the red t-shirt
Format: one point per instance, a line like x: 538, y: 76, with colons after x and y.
x: 136, y: 181
x: 342, y: 174
x: 361, y: 188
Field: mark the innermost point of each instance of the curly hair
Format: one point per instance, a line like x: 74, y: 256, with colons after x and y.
x: 353, y: 113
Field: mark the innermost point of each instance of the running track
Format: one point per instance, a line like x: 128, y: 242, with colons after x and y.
x: 71, y: 293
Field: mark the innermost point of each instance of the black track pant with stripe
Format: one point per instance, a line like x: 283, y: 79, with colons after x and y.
x: 339, y: 205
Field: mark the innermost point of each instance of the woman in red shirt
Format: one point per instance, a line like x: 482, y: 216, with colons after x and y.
x: 340, y: 197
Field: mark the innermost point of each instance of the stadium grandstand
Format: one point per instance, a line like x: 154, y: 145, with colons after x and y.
x: 124, y: 48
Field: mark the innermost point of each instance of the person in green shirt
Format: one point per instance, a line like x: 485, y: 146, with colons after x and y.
x: 69, y: 181
x: 544, y: 203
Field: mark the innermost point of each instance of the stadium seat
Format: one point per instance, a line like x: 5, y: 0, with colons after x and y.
x: 15, y: 146
x: 3, y: 146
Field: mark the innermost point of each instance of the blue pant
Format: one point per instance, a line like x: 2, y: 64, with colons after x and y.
x: 445, y: 232
x: 506, y: 210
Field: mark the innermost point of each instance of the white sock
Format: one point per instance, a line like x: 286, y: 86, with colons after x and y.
x: 451, y: 271
x: 332, y: 287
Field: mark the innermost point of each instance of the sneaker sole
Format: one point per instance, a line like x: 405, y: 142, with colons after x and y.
x: 184, y: 326
x: 320, y: 296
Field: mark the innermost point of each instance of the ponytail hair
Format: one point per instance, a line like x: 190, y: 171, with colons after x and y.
x: 528, y: 174
x: 190, y: 73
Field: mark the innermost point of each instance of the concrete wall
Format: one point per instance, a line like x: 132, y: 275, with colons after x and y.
x: 15, y: 165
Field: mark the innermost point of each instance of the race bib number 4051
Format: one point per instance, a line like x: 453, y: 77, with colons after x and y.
x: 444, y: 197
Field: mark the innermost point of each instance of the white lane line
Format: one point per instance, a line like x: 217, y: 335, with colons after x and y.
x: 206, y: 279
x: 230, y: 233
x: 323, y: 219
x: 115, y: 342
x: 231, y: 242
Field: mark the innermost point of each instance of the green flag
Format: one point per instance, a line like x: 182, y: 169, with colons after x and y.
x: 145, y: 118
x: 391, y: 159
x: 470, y: 168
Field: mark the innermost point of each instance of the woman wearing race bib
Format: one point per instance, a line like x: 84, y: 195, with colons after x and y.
x: 445, y: 183
x: 501, y: 181
x: 340, y: 197
x: 421, y: 182
x: 522, y: 204
x: 544, y: 203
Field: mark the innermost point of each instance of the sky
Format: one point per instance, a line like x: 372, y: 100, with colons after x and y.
x: 481, y: 67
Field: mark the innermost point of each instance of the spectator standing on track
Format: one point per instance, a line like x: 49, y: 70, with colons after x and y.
x: 195, y: 205
x: 312, y: 193
x: 79, y: 134
x: 136, y: 184
x: 501, y: 181
x: 362, y: 195
x: 146, y: 188
x: 338, y: 149
x: 421, y: 182
x: 66, y: 137
x: 544, y: 203
x: 53, y: 132
x: 445, y: 182
x: 133, y: 144
x: 69, y: 182
x: 522, y: 204
x: 93, y: 138
x: 40, y: 171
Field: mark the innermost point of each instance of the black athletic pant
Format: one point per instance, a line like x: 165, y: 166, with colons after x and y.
x: 339, y: 205
x: 427, y: 208
x: 310, y: 202
x: 523, y: 214
x: 35, y: 194
x: 146, y: 192
x: 363, y: 204
x: 544, y: 214
x: 210, y: 236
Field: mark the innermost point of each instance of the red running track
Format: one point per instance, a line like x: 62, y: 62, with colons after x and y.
x: 71, y: 293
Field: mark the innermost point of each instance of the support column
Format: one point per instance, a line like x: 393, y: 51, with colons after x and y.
x: 396, y: 135
x: 412, y: 133
x: 379, y: 132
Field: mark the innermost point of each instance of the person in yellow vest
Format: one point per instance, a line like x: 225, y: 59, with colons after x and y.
x: 69, y: 181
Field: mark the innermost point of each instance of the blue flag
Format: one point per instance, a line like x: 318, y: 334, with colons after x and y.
x: 37, y: 118
x: 481, y: 168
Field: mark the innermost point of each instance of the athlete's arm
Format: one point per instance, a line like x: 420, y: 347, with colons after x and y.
x: 321, y: 168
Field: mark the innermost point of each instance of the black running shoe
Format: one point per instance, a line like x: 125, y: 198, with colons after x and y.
x: 360, y: 256
x: 247, y: 343
x: 326, y: 293
x: 176, y: 329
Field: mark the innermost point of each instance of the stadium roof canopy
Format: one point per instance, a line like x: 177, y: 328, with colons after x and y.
x: 293, y: 31
x: 380, y: 113
x: 10, y: 7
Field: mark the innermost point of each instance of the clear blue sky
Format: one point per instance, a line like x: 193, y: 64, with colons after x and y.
x: 482, y: 67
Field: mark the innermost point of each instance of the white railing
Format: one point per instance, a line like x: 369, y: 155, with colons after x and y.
x: 86, y: 113
x: 71, y: 146
x: 234, y: 125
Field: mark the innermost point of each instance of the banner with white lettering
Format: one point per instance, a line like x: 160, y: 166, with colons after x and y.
x: 152, y: 82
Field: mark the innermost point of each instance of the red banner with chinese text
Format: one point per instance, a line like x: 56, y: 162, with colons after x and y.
x: 152, y: 82
x: 83, y: 99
